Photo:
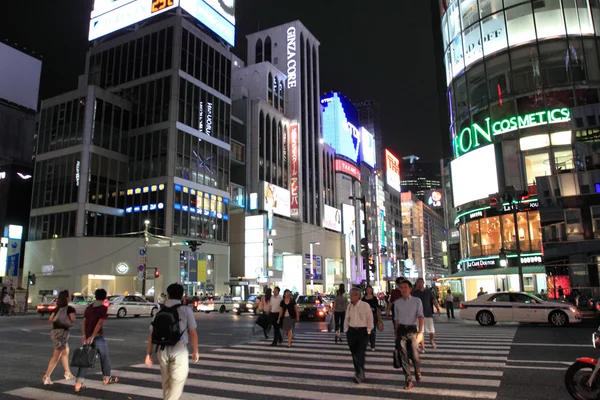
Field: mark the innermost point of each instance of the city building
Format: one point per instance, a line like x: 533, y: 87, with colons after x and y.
x: 514, y: 72
x: 19, y: 87
x: 132, y: 167
x: 424, y: 238
x: 420, y: 177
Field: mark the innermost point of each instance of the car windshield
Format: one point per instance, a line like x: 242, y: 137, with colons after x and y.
x: 306, y: 299
x: 113, y: 298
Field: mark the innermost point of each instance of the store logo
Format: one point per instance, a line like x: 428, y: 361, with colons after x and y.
x: 77, y: 172
x: 481, y: 263
x: 476, y: 136
x: 291, y: 53
x: 122, y: 268
x: 476, y: 214
x: 531, y: 260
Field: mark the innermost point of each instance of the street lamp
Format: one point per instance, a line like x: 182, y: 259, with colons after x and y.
x: 312, y: 269
x: 422, y: 254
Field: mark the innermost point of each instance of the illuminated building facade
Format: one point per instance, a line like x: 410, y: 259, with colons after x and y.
x: 144, y: 137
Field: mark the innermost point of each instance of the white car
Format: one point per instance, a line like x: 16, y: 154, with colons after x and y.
x: 488, y: 309
x: 216, y: 303
x: 78, y: 302
x: 122, y: 305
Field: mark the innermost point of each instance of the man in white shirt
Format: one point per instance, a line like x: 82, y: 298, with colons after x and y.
x: 275, y: 307
x: 358, y: 324
x: 174, y: 360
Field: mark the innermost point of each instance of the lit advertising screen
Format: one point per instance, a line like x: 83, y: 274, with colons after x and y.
x: 367, y: 145
x: 110, y: 16
x: 340, y: 126
x: 392, y: 170
x: 349, y: 221
x: 294, y: 169
x: 433, y: 198
x: 276, y: 199
x: 217, y: 15
x: 346, y: 168
x: 20, y: 74
x: 332, y: 219
x: 474, y: 175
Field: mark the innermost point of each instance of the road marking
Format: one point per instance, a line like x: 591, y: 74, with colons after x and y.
x: 77, y: 336
x: 326, y: 350
x: 389, y: 345
x: 39, y: 394
x: 26, y: 330
x: 536, y: 368
x: 539, y: 362
x: 221, y: 334
x: 236, y: 387
x: 551, y: 344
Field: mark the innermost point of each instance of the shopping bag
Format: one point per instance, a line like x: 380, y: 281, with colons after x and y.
x: 84, y: 356
x: 262, y: 321
x: 330, y: 324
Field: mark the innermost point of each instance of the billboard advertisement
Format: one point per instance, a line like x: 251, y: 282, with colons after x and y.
x: 433, y: 198
x: 346, y: 168
x: 367, y: 146
x: 340, y: 125
x: 392, y: 170
x: 294, y: 170
x: 20, y: 73
x: 109, y: 16
x: 474, y: 175
x: 332, y: 219
x: 317, y: 266
x: 276, y: 199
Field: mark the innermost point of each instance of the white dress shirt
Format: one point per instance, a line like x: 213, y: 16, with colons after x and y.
x: 359, y: 316
x: 276, y: 303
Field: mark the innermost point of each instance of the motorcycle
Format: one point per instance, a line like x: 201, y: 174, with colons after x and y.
x: 582, y: 379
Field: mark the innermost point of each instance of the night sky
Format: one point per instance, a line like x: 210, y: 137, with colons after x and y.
x: 369, y: 49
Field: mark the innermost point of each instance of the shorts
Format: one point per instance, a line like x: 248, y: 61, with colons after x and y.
x: 428, y: 325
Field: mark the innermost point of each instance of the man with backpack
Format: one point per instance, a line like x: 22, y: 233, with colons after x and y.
x: 172, y: 328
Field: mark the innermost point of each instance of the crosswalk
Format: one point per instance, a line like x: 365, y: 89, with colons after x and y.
x: 469, y: 362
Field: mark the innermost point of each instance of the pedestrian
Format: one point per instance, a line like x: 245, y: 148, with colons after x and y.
x: 429, y: 302
x: 13, y: 305
x: 275, y: 309
x: 408, y: 321
x: 543, y: 295
x: 340, y: 305
x: 396, y: 294
x: 481, y: 292
x: 372, y: 301
x: 6, y: 302
x: 290, y: 314
x: 449, y: 304
x: 264, y: 307
x: 44, y: 299
x: 161, y: 299
x: 358, y: 324
x: 173, y: 354
x: 62, y: 320
x: 92, y: 333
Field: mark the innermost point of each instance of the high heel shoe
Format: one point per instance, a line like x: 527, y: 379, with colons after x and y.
x: 69, y: 376
x: 46, y: 380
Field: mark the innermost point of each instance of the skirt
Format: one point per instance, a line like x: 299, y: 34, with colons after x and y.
x: 288, y: 324
x: 60, y: 338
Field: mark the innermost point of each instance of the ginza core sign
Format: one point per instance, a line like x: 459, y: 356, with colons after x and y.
x: 291, y: 54
x: 475, y: 135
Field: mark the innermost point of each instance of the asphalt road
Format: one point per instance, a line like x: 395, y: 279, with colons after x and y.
x: 506, y: 361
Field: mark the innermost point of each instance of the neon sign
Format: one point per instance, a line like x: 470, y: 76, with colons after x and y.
x: 291, y: 55
x: 294, y: 170
x: 475, y: 135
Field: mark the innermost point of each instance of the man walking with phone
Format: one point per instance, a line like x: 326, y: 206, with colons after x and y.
x: 172, y: 328
x: 408, y: 321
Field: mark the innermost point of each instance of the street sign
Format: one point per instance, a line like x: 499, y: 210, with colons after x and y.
x: 140, y: 268
x: 142, y: 252
x: 141, y: 275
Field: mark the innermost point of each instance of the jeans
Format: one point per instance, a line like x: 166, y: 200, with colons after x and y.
x: 407, y: 345
x: 449, y: 309
x: 102, y: 349
x: 276, y: 328
x: 174, y: 368
x: 357, y: 341
x: 339, y: 317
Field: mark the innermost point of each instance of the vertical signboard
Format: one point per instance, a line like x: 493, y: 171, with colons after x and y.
x: 294, y: 170
x: 392, y: 170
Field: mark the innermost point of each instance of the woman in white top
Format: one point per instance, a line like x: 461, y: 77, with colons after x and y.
x: 265, y: 307
x: 449, y: 303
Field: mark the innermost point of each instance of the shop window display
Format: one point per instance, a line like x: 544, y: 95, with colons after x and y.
x: 491, y: 239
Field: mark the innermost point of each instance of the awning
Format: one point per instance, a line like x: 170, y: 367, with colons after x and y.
x: 535, y: 269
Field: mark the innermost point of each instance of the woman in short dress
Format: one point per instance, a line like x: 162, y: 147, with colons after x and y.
x: 290, y: 314
x: 60, y: 338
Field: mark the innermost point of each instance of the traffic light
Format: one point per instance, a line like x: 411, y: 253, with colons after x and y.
x: 364, y: 247
x: 156, y: 273
x: 32, y: 280
x: 192, y: 244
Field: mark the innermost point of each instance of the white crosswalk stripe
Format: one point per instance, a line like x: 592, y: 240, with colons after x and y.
x: 469, y: 362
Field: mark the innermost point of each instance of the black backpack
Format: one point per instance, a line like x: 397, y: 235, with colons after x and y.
x: 165, y: 327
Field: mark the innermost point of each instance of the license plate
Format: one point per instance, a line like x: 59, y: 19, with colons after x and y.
x: 310, y: 315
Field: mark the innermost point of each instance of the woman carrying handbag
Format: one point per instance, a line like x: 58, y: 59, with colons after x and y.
x: 264, y: 309
x: 62, y: 320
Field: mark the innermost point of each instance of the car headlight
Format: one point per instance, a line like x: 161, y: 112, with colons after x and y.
x: 573, y: 310
x: 249, y: 306
x: 236, y: 305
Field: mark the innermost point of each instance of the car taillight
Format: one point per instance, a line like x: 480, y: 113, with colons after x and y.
x: 462, y: 306
x: 40, y: 306
x: 317, y: 302
x: 598, y: 306
x: 195, y: 304
x: 51, y: 307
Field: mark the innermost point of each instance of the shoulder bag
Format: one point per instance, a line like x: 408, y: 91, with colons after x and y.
x: 84, y: 356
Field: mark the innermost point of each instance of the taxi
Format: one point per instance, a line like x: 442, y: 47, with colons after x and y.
x: 216, y: 303
x: 78, y: 302
x: 488, y: 309
x: 122, y: 305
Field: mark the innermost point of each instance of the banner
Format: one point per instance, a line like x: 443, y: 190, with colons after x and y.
x: 294, y: 170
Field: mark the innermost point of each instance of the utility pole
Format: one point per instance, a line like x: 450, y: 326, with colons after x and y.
x: 146, y: 223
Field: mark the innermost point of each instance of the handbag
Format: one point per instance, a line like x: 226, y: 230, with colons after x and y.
x: 380, y: 324
x: 84, y: 356
x: 330, y: 324
x: 262, y: 321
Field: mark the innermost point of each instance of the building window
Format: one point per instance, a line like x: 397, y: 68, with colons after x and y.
x: 491, y: 239
x: 474, y: 237
x: 574, y: 227
x: 535, y: 230
x: 563, y: 160
x: 259, y: 51
x: 537, y: 165
x: 596, y: 221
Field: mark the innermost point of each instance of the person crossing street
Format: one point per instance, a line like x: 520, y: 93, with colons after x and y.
x: 275, y: 308
x: 408, y: 321
x: 429, y: 300
x: 358, y: 323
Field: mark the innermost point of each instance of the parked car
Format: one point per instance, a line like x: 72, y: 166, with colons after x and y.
x: 311, y: 307
x: 250, y: 305
x: 489, y: 309
x: 122, y: 305
x: 216, y: 303
x: 78, y: 302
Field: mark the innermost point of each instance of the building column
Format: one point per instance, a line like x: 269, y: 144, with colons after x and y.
x: 85, y: 160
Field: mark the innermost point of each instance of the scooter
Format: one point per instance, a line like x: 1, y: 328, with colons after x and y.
x: 582, y: 379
